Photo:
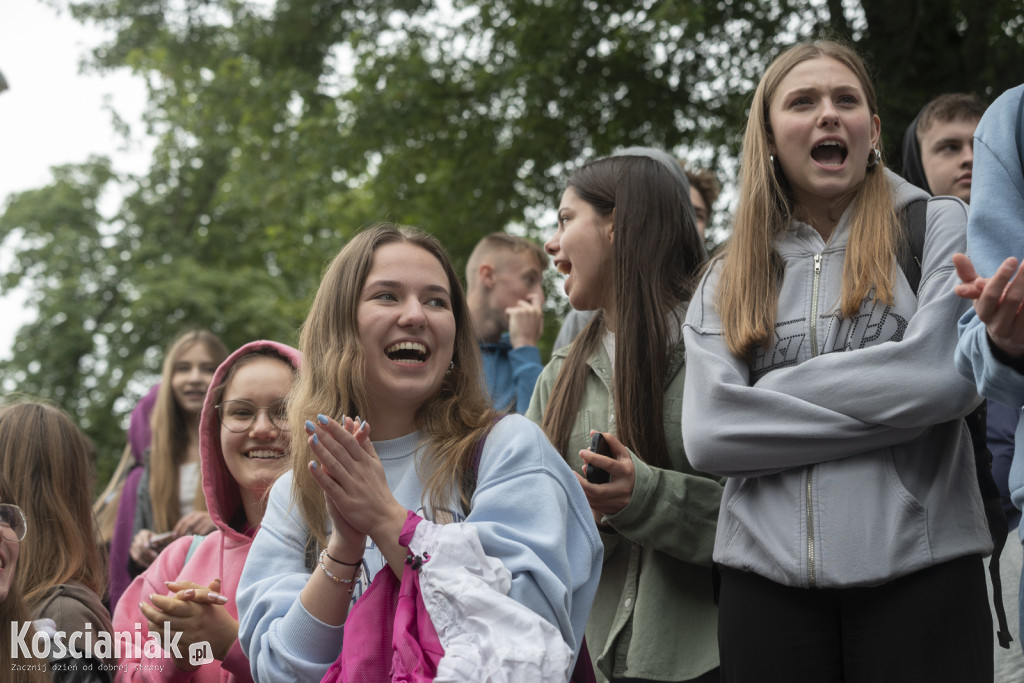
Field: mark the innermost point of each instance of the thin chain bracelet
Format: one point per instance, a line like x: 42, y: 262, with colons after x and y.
x: 332, y: 577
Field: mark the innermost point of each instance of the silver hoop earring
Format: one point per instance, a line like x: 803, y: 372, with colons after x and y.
x: 874, y: 157
x: 771, y: 159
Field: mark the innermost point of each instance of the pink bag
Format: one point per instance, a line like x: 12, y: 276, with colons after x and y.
x: 388, y: 633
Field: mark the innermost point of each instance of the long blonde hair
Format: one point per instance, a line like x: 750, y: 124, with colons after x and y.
x: 169, y: 425
x: 47, y: 463
x: 332, y: 379
x: 748, y: 291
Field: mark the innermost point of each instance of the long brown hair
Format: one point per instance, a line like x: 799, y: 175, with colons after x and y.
x: 332, y: 379
x: 657, y: 254
x: 47, y: 463
x: 14, y: 612
x: 170, y: 427
x: 748, y: 291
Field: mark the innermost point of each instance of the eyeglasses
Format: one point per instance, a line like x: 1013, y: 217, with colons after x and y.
x: 239, y: 415
x: 13, y: 526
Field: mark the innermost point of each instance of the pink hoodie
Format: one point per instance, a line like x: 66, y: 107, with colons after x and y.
x: 221, y: 554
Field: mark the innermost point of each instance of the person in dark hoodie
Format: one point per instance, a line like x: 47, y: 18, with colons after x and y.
x: 244, y: 446
x: 938, y: 145
x: 46, y: 462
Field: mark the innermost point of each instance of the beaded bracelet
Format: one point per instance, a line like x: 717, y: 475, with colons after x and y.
x: 332, y: 577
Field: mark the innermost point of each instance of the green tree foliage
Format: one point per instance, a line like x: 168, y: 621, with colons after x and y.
x: 282, y: 128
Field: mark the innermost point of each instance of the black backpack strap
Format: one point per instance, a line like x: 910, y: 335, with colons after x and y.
x: 470, y: 478
x: 911, y: 249
x: 909, y: 255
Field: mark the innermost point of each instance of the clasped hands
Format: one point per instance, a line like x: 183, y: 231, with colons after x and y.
x: 198, y: 614
x: 351, y: 475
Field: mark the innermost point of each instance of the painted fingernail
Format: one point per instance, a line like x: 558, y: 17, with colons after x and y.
x: 364, y: 427
x: 315, y: 439
x: 190, y: 593
x: 322, y: 419
x: 314, y: 464
x: 310, y: 427
x: 218, y: 597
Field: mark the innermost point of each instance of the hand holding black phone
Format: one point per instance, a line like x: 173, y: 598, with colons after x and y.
x: 596, y: 475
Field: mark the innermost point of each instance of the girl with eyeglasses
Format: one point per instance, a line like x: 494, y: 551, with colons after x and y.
x: 244, y: 446
x: 13, y: 529
x: 47, y: 463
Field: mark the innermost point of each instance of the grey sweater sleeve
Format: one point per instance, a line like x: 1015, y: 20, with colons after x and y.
x: 838, y: 404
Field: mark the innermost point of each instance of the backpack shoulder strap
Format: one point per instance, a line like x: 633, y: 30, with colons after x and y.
x: 196, y: 542
x: 474, y: 468
x: 911, y: 249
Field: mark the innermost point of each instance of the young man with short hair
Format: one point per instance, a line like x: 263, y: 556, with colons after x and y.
x: 938, y: 147
x: 506, y: 300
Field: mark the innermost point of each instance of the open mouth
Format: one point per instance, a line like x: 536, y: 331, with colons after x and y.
x: 829, y: 153
x: 407, y: 352
x: 265, y: 455
x: 564, y: 267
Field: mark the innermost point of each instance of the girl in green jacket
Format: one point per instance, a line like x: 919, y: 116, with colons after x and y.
x: 627, y: 242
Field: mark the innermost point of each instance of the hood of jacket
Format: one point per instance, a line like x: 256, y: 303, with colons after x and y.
x: 223, y: 497
x: 913, y: 169
x: 140, y: 434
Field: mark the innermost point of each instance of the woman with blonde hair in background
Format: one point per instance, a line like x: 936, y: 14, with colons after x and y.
x: 47, y: 463
x: 169, y: 500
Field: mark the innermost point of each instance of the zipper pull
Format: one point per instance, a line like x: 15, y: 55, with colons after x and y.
x: 817, y: 264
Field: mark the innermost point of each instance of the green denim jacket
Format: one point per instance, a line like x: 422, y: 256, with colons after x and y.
x: 654, y: 614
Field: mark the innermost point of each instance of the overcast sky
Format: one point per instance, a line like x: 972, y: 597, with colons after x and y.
x: 54, y: 115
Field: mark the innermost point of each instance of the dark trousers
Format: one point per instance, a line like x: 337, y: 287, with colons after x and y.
x: 931, y: 626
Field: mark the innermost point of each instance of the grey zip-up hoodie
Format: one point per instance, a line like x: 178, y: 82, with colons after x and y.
x: 848, y: 458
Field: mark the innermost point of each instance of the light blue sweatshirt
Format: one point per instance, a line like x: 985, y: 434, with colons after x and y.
x: 529, y: 512
x: 995, y: 231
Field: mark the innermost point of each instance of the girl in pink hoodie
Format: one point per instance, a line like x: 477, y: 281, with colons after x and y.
x: 189, y: 589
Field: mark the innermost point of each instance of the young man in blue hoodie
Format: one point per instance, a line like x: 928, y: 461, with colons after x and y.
x: 991, y: 348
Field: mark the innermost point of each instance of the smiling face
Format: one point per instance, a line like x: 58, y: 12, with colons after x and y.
x: 407, y: 329
x: 191, y: 376
x: 823, y: 132
x: 582, y: 251
x: 947, y: 156
x: 257, y: 456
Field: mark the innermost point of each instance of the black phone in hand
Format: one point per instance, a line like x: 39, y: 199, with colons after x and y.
x: 596, y: 475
